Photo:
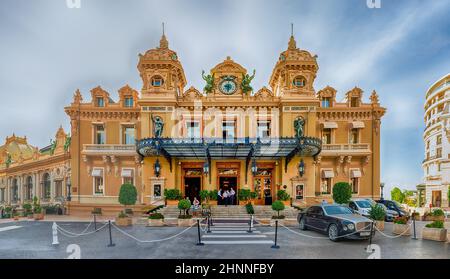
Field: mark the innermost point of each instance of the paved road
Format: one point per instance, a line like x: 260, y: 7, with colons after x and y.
x: 33, y: 240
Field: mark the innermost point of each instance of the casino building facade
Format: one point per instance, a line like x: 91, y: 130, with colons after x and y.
x: 285, y: 135
x: 225, y: 135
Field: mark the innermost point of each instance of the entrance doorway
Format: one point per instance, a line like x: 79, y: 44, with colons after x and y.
x: 228, y: 183
x: 436, y: 198
x: 192, y: 187
x: 262, y: 185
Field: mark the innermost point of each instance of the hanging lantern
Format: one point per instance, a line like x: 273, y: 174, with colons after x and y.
x: 254, y: 167
x: 157, y: 168
x: 206, y: 168
x: 301, y: 168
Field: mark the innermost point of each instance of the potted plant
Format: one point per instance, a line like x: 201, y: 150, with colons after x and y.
x: 435, y: 231
x: 401, y: 226
x: 184, y: 219
x: 277, y: 206
x: 377, y: 213
x: 244, y: 195
x: 38, y: 212
x: 213, y: 197
x: 284, y: 197
x: 8, y: 211
x: 172, y: 196
x: 127, y: 197
x: 437, y: 215
x: 249, y: 208
x: 156, y: 220
x: 27, y: 210
x: 253, y: 197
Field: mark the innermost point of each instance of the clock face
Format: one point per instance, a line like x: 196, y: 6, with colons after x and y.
x: 228, y: 87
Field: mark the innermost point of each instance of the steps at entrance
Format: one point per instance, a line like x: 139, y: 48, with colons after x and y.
x: 235, y: 212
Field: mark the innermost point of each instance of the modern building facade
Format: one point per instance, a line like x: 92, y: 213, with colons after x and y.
x: 436, y: 165
x: 285, y: 135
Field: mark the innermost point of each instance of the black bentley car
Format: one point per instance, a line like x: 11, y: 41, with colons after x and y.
x: 335, y: 220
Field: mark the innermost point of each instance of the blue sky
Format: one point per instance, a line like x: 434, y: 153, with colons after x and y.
x: 47, y: 51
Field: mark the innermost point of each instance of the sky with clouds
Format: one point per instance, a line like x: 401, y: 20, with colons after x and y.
x: 47, y: 51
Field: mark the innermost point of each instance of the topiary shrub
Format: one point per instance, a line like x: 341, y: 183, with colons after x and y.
x: 244, y: 194
x: 282, y: 195
x: 27, y: 207
x: 172, y: 194
x: 184, y: 205
x: 204, y: 195
x: 127, y: 195
x: 342, y: 193
x: 249, y: 208
x: 213, y: 195
x: 377, y: 212
x: 253, y: 195
x: 278, y: 206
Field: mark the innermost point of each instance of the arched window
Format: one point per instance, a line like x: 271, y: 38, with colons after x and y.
x: 15, y: 191
x: 29, y: 188
x: 299, y: 81
x: 46, y: 186
x: 157, y: 81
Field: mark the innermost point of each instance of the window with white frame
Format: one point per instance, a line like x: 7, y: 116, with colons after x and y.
x: 128, y: 102
x: 263, y: 129
x: 128, y: 176
x: 299, y: 191
x: 100, y: 102
x: 354, y: 136
x: 228, y: 129
x: 193, y: 129
x: 99, y: 134
x: 98, y: 180
x: 326, y: 136
x: 128, y: 134
x: 157, y: 190
x: 326, y: 185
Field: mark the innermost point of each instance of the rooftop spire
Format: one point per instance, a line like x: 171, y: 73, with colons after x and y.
x: 163, y: 43
x: 292, y: 43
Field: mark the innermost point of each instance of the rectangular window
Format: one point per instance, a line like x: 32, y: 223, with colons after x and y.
x: 263, y: 129
x: 326, y: 136
x: 354, y: 102
x: 128, y: 176
x: 98, y: 185
x: 2, y: 195
x: 299, y: 192
x: 438, y: 152
x: 100, y: 102
x: 354, y: 136
x: 228, y: 130
x: 129, y: 102
x: 355, y: 185
x: 326, y: 102
x: 58, y: 188
x: 326, y: 186
x: 128, y: 133
x: 439, y: 140
x: 157, y: 190
x: 99, y: 134
x: 193, y: 129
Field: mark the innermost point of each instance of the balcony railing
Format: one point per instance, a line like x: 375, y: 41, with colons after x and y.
x: 345, y: 148
x: 117, y: 149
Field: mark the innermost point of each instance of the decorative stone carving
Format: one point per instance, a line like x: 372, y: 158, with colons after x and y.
x: 364, y: 162
x: 339, y: 163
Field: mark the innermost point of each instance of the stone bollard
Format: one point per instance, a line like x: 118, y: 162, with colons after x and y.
x: 55, y: 234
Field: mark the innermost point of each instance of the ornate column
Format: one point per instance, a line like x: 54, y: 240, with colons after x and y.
x: 52, y: 186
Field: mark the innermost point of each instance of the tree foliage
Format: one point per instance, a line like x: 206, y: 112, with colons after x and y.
x: 342, y: 193
x: 397, y: 195
x: 127, y: 194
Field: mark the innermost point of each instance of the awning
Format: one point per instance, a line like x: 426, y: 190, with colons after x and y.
x: 127, y: 173
x: 329, y: 125
x: 355, y: 173
x: 97, y: 173
x: 357, y: 125
x: 327, y: 174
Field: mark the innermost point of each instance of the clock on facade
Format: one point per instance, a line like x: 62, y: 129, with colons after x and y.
x: 228, y: 86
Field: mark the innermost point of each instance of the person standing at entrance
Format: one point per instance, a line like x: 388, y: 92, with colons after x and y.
x: 232, y: 196
x: 219, y: 197
x: 225, y: 197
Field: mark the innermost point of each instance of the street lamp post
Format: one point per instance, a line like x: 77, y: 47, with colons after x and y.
x: 381, y: 187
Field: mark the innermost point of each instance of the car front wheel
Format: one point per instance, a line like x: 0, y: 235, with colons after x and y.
x: 303, y: 224
x: 333, y: 233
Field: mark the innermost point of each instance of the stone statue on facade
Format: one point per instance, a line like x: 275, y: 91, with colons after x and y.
x: 246, y: 80
x: 299, y: 124
x: 209, y: 82
x: 158, y: 126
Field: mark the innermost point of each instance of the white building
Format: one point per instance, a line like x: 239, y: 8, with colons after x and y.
x: 436, y: 165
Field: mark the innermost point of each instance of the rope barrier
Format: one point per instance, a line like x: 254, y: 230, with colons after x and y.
x: 154, y: 240
x: 71, y: 234
x: 85, y: 230
x: 391, y: 236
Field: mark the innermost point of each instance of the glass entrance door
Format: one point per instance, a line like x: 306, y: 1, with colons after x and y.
x: 262, y: 185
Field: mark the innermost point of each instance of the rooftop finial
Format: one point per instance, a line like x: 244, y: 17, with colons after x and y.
x: 163, y: 43
x: 292, y: 43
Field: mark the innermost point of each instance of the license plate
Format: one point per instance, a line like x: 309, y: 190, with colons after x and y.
x: 364, y: 233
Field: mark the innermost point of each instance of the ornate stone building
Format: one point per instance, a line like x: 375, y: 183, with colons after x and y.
x: 26, y: 171
x: 436, y: 165
x: 225, y: 135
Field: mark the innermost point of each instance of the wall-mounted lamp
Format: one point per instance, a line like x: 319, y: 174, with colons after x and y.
x: 157, y: 168
x: 206, y: 168
x: 301, y: 168
x: 254, y: 167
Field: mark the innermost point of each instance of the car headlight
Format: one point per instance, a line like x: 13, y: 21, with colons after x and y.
x: 351, y: 226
